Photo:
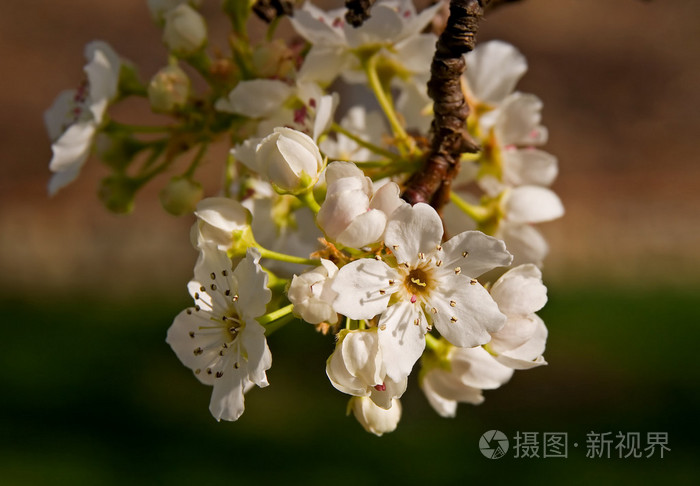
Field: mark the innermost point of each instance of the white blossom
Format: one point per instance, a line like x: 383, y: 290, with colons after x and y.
x: 289, y: 159
x: 367, y: 126
x: 394, y: 28
x: 493, y: 69
x: 375, y: 419
x: 462, y: 376
x: 430, y: 284
x: 75, y: 117
x: 357, y: 368
x: 520, y: 293
x: 312, y: 295
x: 220, y: 221
x: 219, y: 338
x: 354, y: 212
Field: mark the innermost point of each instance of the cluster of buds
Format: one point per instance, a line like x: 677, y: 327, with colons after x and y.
x: 309, y: 225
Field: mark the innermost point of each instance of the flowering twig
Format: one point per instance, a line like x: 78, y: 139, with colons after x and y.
x: 358, y: 11
x: 449, y: 135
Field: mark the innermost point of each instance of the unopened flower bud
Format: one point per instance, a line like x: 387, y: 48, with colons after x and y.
x: 181, y: 196
x: 290, y: 159
x: 185, y: 31
x: 117, y: 193
x: 375, y: 419
x: 169, y: 89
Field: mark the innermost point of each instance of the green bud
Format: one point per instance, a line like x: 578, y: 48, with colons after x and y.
x: 117, y: 193
x: 181, y: 196
x: 185, y: 30
x: 169, y: 89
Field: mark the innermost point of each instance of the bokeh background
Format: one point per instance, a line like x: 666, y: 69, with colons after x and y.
x: 91, y: 394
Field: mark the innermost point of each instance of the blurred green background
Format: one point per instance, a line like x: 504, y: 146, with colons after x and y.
x: 91, y: 394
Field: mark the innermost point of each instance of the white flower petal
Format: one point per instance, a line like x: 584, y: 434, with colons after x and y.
x: 529, y: 354
x: 524, y: 241
x: 474, y: 253
x: 448, y: 387
x: 253, y: 294
x: 362, y: 358
x: 443, y: 406
x: 533, y: 204
x: 363, y: 230
x: 227, y: 401
x: 257, y: 358
x: 413, y: 230
x: 72, y: 148
x: 257, y: 98
x: 519, y: 120
x: 402, y: 341
x: 358, y: 284
x: 477, y: 368
x: 529, y: 167
x: 466, y: 313
x: 493, y: 70
x: 103, y: 76
x: 520, y: 291
x: 516, y: 332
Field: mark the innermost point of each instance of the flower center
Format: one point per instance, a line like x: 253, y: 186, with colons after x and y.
x: 418, y: 282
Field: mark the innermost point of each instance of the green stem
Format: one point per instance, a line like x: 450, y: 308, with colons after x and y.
x: 273, y: 255
x: 480, y: 214
x: 363, y: 143
x: 274, y: 315
x: 309, y: 199
x: 432, y: 343
x: 370, y: 67
x: 197, y: 159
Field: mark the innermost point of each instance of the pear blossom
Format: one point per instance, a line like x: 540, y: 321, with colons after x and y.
x: 219, y: 338
x: 74, y: 119
x: 357, y: 368
x: 520, y: 293
x: 169, y: 89
x: 461, y: 377
x: 431, y: 283
x: 220, y: 221
x: 289, y: 159
x: 312, y: 295
x: 493, y: 69
x: 394, y: 28
x: 159, y: 8
x: 373, y: 418
x: 354, y: 212
x: 274, y: 103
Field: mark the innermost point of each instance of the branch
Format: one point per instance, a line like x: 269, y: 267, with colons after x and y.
x: 449, y: 137
x: 358, y: 11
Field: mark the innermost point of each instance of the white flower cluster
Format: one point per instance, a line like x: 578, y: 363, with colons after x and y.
x: 310, y: 224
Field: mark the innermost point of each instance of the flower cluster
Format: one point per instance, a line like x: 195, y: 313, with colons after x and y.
x: 309, y: 224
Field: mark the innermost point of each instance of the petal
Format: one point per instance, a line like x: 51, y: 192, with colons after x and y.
x: 362, y: 357
x: 102, y: 72
x: 340, y: 169
x: 401, y: 340
x: 358, y: 285
x: 466, y: 313
x: 71, y: 149
x: 223, y: 214
x: 383, y: 26
x: 417, y: 52
x: 316, y: 26
x: 449, y: 386
x: 245, y: 153
x: 518, y: 120
x: 525, y: 242
x: 474, y: 253
x: 324, y: 63
x: 533, y: 204
x: 385, y: 398
x: 257, y: 357
x: 227, y: 397
x: 529, y: 167
x: 363, y: 230
x: 478, y: 369
x: 55, y: 117
x: 520, y: 291
x: 257, y: 98
x: 252, y: 291
x: 387, y: 198
x: 59, y: 180
x: 443, y: 406
x: 493, y: 70
x: 516, y: 332
x: 323, y: 118
x: 529, y: 354
x: 413, y: 230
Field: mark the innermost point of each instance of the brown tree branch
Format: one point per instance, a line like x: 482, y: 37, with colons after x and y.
x: 358, y: 11
x: 449, y: 137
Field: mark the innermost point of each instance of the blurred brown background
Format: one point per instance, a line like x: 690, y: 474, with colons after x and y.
x: 618, y: 78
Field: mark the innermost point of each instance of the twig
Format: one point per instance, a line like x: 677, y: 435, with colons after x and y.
x: 448, y: 129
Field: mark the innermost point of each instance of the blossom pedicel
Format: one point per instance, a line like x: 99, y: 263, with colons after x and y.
x: 309, y: 223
